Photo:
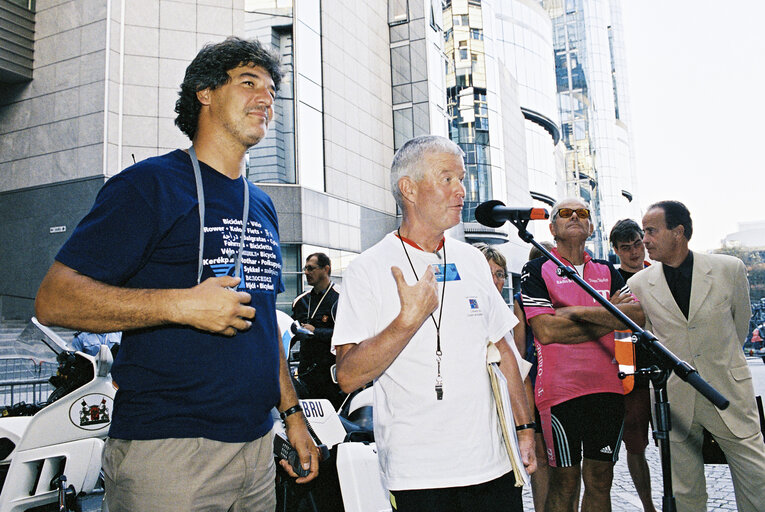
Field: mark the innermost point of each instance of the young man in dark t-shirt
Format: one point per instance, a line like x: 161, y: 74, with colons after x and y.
x: 627, y: 240
x: 181, y: 253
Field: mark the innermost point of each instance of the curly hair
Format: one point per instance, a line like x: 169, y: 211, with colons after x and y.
x: 209, y: 69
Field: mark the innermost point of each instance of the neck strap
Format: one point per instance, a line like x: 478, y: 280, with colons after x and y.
x: 416, y: 245
x: 310, y: 316
x: 439, y: 379
x: 201, y: 201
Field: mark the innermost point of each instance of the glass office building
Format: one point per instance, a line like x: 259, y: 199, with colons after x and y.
x: 594, y: 111
x: 500, y: 86
x: 362, y: 77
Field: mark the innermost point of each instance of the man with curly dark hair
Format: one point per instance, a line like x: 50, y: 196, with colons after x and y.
x: 181, y: 253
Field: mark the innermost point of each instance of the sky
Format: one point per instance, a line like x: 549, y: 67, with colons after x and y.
x: 696, y: 71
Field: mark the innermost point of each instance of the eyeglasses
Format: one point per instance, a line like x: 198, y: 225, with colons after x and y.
x: 582, y: 213
x: 309, y: 268
x: 500, y: 274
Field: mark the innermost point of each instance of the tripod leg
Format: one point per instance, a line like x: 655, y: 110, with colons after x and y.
x: 661, y: 434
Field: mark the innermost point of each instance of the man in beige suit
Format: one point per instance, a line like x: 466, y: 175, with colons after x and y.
x: 697, y: 305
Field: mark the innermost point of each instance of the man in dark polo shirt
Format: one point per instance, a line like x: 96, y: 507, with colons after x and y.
x: 316, y: 310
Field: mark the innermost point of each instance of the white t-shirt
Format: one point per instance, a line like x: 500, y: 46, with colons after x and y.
x: 422, y: 442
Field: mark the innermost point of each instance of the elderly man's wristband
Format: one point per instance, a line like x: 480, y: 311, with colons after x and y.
x: 525, y: 426
x: 292, y: 410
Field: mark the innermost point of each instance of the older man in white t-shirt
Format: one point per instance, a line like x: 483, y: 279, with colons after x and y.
x: 415, y: 314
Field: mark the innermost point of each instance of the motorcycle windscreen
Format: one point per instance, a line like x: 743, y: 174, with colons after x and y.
x: 35, y: 341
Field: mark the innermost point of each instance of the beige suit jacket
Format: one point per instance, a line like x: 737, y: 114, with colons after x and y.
x: 710, y: 340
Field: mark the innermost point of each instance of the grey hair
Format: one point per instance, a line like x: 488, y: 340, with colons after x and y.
x: 408, y: 160
x: 557, y: 206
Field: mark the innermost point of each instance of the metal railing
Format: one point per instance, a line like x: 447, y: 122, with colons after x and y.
x: 25, y: 380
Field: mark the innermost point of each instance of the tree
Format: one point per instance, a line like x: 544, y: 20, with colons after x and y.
x: 754, y: 259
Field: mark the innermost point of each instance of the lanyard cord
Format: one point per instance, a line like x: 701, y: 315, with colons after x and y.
x: 310, y: 316
x: 439, y: 379
x: 201, y: 201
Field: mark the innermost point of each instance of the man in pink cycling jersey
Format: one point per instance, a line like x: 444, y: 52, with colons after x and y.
x: 578, y: 393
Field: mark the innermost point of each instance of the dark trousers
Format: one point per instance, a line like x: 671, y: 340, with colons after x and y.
x: 499, y: 495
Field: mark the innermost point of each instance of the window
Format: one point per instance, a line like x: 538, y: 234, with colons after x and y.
x: 401, y: 72
x: 292, y: 277
x: 436, y: 14
x: 463, y: 50
x: 273, y: 161
x: 462, y: 20
x: 398, y: 12
x: 476, y: 33
x: 403, y: 128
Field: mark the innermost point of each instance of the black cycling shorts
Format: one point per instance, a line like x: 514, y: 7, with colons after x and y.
x: 592, y: 424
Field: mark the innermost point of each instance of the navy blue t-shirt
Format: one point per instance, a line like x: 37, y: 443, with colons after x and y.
x: 143, y: 232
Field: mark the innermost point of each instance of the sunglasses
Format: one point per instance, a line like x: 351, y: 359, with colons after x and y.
x: 310, y: 268
x: 582, y: 213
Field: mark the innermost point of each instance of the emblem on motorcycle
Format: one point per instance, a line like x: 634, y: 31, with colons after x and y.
x: 91, y: 412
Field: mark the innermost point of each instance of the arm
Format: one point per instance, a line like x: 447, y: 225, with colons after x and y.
x: 742, y: 308
x: 295, y: 425
x: 519, y: 336
x: 508, y: 364
x: 70, y: 299
x: 519, y: 331
x: 578, y: 324
x: 358, y: 364
x: 547, y: 325
x: 320, y: 334
x: 559, y: 329
x: 599, y: 316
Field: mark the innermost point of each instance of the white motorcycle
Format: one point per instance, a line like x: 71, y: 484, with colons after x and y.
x: 349, y: 476
x: 50, y: 458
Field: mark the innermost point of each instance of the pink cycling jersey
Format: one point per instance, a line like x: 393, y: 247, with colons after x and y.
x: 570, y: 371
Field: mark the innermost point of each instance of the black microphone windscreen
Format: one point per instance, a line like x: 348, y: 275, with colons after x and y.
x: 484, y: 214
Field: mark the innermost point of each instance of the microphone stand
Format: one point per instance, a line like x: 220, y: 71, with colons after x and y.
x: 667, y: 363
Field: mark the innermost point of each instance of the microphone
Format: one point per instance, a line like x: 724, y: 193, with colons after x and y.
x: 494, y: 213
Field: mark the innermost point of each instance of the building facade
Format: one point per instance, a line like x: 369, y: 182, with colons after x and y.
x: 362, y: 77
x: 500, y: 87
x: 98, y: 95
x: 594, y: 110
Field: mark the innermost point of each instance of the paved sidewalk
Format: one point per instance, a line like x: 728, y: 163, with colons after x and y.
x: 624, y: 498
